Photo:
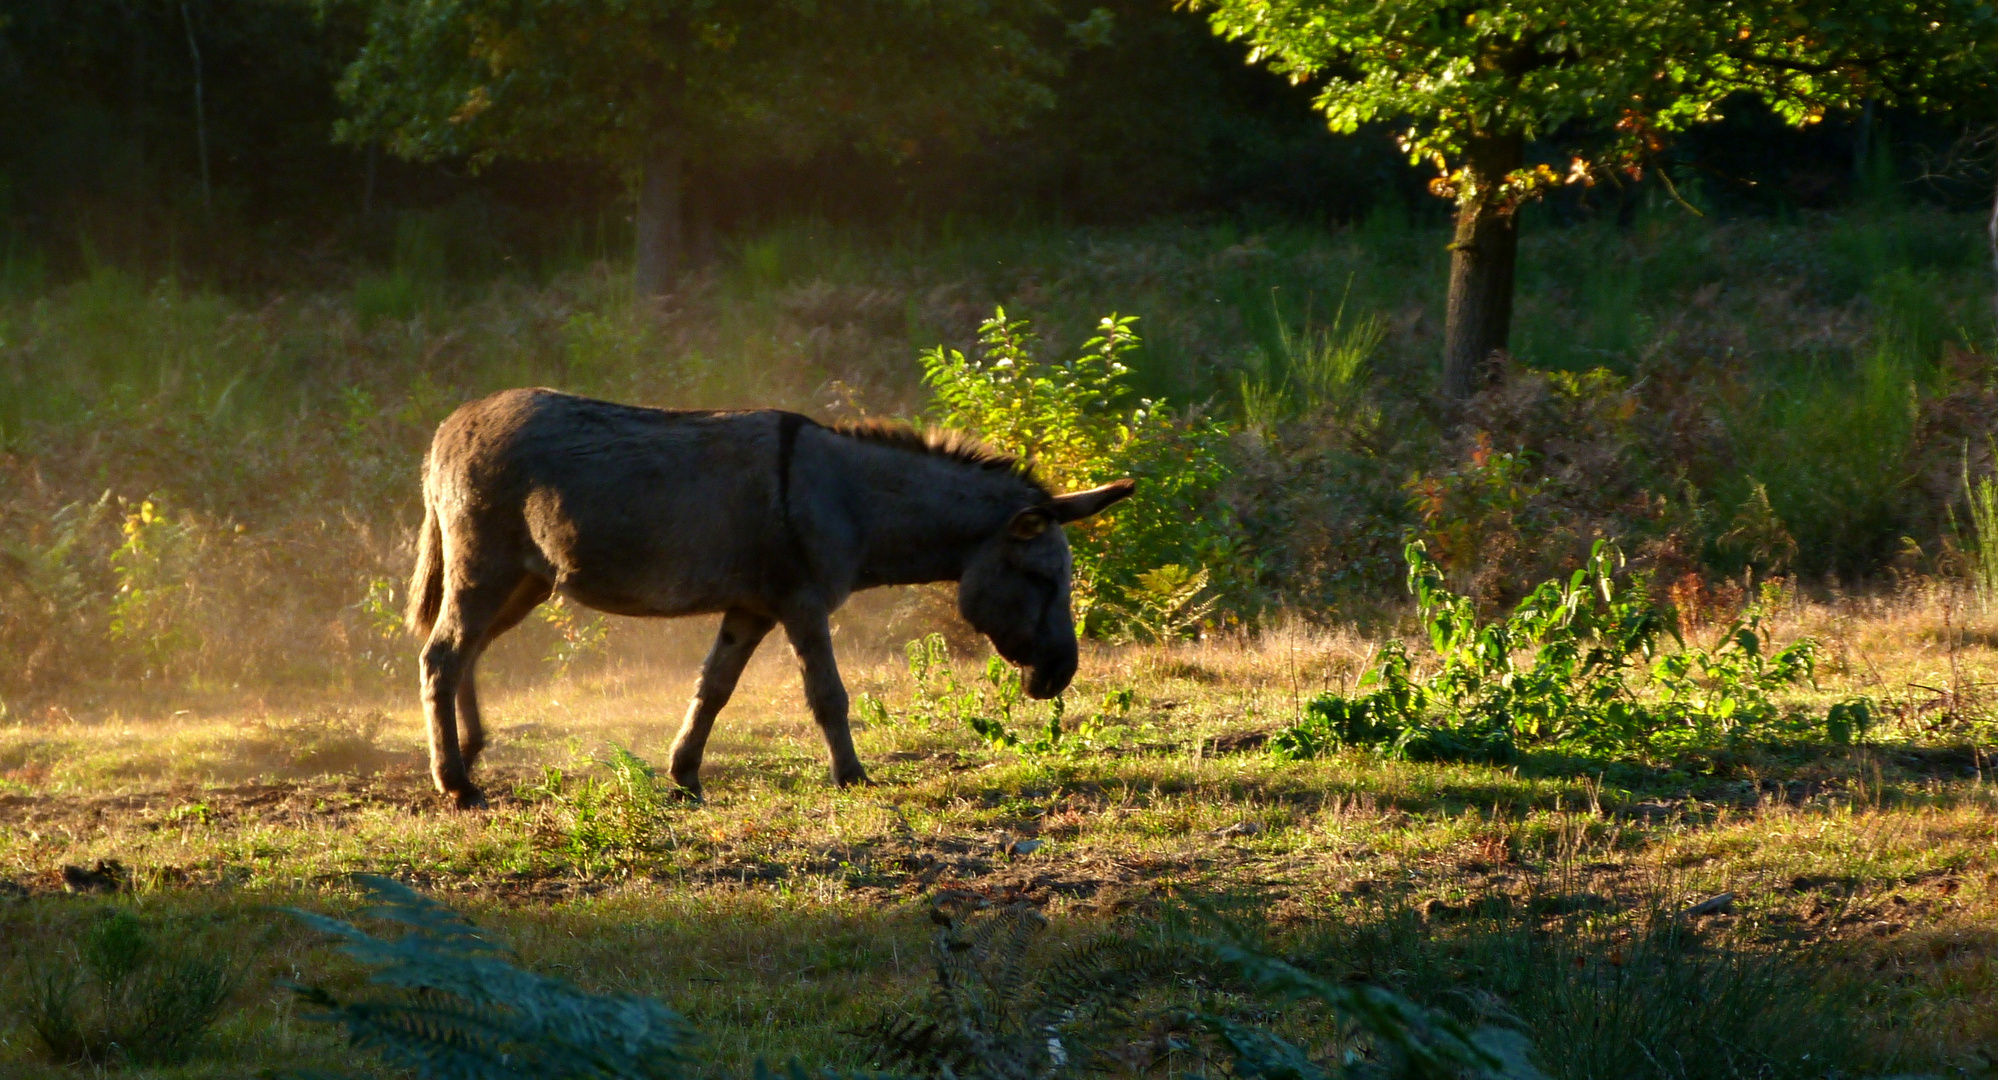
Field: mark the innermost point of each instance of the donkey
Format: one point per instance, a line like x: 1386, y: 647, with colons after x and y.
x: 765, y: 517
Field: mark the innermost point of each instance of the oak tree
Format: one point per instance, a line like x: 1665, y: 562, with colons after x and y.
x: 1471, y: 84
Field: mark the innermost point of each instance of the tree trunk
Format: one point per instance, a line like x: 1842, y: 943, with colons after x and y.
x: 1992, y: 230
x: 1482, y: 257
x: 658, y: 221
x: 703, y: 245
x: 200, y: 110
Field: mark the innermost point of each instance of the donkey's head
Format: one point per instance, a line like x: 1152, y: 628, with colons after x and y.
x: 1015, y: 588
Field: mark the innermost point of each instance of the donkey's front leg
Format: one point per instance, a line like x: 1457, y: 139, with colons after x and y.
x: 740, y: 633
x: 811, y: 637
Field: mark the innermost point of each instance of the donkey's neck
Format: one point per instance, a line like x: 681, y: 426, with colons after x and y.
x: 922, y: 515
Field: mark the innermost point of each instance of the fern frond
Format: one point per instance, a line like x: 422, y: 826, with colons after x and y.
x: 461, y: 1010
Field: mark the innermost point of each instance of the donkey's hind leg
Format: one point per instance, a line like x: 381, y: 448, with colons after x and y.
x: 527, y: 596
x: 463, y: 621
x: 740, y: 633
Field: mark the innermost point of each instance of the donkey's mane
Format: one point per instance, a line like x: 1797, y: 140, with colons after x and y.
x: 941, y: 442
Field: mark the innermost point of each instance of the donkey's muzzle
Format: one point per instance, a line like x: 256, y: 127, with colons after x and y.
x: 1051, y: 677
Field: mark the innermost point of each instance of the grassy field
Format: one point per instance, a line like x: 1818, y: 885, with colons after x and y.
x: 207, y: 713
x: 782, y: 915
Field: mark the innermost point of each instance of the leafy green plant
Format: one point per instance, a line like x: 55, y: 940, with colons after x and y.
x: 1081, y: 425
x: 152, y: 566
x: 986, y: 707
x: 456, y: 1006
x: 1575, y: 665
x: 125, y: 996
x: 938, y: 697
x: 607, y: 824
x: 381, y: 614
x: 1166, y: 605
x: 580, y: 634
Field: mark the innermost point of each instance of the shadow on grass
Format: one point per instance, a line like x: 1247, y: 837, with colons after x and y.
x: 1645, y: 995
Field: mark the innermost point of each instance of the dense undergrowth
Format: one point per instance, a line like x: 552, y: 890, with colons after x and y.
x: 202, y: 491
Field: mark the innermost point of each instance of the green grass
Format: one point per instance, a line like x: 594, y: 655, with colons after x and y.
x: 782, y: 914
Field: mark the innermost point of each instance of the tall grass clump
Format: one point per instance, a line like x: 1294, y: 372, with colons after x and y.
x: 126, y: 995
x: 1983, y: 540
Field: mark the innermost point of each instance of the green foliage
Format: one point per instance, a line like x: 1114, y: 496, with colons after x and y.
x: 1076, y: 422
x: 1166, y: 605
x: 990, y: 706
x: 381, y: 612
x: 940, y: 698
x: 1616, y: 71
x: 151, y: 608
x: 607, y: 824
x: 733, y: 81
x: 455, y: 1006
x: 1983, y: 545
x: 1575, y: 666
x: 126, y: 996
x: 1319, y: 372
x: 580, y: 634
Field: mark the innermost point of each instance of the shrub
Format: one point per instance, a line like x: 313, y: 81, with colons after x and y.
x: 1080, y: 426
x: 1575, y: 666
x: 126, y: 997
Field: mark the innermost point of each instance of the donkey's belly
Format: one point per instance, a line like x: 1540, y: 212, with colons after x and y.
x: 654, y: 599
x: 652, y: 568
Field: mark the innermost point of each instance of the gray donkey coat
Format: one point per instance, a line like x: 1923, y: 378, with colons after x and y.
x: 765, y: 517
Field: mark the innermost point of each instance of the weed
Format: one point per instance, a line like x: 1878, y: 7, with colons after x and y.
x: 581, y: 634
x: 609, y: 824
x: 987, y: 709
x: 1166, y: 605
x: 152, y: 608
x: 1586, y: 640
x: 1983, y: 496
x: 126, y: 997
x: 938, y: 697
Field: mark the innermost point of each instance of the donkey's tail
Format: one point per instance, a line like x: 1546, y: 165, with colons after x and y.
x: 426, y: 586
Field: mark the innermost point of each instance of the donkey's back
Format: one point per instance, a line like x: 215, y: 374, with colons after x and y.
x: 630, y: 510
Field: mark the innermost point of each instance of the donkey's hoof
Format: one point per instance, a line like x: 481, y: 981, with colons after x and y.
x: 687, y: 791
x: 468, y: 798
x: 857, y: 778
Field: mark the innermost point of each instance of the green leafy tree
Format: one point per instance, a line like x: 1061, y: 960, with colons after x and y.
x: 649, y: 87
x: 1471, y: 84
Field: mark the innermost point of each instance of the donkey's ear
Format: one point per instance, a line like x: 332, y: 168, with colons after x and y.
x: 1029, y: 523
x: 1081, y: 504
